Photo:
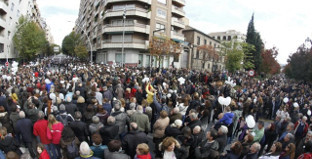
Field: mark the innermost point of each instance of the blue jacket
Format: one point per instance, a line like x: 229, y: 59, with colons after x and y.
x: 227, y: 118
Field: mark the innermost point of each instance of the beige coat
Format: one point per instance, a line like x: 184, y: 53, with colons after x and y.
x: 160, y: 127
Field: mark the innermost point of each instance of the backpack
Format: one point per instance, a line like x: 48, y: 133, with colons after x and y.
x: 64, y: 121
x: 72, y: 150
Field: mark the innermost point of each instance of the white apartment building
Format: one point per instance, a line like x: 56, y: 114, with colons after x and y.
x: 228, y: 36
x: 10, y: 12
x: 102, y: 21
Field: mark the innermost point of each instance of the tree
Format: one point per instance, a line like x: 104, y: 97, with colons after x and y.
x: 81, y: 51
x: 29, y: 40
x: 254, y: 38
x: 160, y: 46
x: 300, y: 63
x: 70, y: 42
x: 269, y: 63
x: 248, y: 63
x: 234, y: 56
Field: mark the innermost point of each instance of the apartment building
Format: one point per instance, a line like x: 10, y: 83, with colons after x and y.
x: 199, y: 59
x: 10, y: 12
x: 101, y: 23
x: 228, y: 36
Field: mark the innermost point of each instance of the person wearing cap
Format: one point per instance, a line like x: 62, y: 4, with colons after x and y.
x: 85, y: 152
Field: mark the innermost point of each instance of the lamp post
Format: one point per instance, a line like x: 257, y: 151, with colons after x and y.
x: 123, y: 37
x: 91, y: 55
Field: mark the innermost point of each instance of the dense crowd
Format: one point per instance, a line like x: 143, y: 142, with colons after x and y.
x: 98, y: 111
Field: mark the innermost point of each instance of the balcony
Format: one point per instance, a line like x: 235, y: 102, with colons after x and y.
x: 114, y: 1
x: 177, y: 36
x: 3, y: 7
x: 133, y: 44
x: 130, y: 12
x: 178, y: 11
x: 180, y: 2
x: 135, y: 27
x: 177, y: 23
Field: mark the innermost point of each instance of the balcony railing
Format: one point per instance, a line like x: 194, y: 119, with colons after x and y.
x: 113, y: 1
x: 136, y: 41
x: 130, y: 11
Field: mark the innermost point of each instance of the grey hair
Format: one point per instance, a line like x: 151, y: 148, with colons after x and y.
x: 140, y: 109
x: 111, y: 120
x: 197, y: 129
x: 95, y: 119
x: 21, y: 114
x: 309, y: 132
x: 193, y: 116
x: 117, y: 106
x: 40, y: 114
x: 305, y: 118
x: 257, y: 146
x: 223, y: 129
x: 290, y: 136
x: 175, y: 110
x: 291, y: 125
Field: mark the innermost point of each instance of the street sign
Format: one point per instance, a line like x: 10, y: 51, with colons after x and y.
x: 251, y: 73
x: 56, y: 49
x: 6, y: 64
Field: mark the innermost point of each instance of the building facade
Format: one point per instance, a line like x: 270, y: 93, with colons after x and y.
x: 228, y: 36
x: 101, y: 24
x: 10, y: 12
x: 198, y: 59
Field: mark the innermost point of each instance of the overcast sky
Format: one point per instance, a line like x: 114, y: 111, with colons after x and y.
x: 283, y: 24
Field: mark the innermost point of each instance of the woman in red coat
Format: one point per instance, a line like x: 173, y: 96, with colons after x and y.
x: 142, y: 152
x: 43, y: 154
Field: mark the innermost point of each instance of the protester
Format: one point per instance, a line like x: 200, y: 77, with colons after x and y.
x: 109, y: 98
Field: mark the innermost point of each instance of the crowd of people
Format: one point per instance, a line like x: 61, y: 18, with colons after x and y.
x: 97, y: 111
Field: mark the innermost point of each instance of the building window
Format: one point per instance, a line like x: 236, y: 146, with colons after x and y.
x: 203, y: 65
x: 214, y: 45
x: 118, y: 38
x: 161, y: 13
x: 205, y: 42
x: 197, y: 54
x: 1, y: 47
x: 210, y: 43
x: 198, y: 40
x: 208, y: 65
x: 162, y: 1
x: 219, y: 38
x: 122, y: 7
x: 148, y: 59
x: 161, y: 27
x: 224, y: 38
x: 229, y: 38
x: 176, y: 58
x: 12, y: 7
x: 118, y: 58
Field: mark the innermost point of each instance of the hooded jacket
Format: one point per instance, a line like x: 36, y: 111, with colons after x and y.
x: 227, y: 118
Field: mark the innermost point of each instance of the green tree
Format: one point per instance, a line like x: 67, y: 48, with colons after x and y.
x: 300, y: 63
x: 81, y: 51
x: 254, y: 38
x: 248, y: 60
x: 234, y: 55
x: 70, y: 42
x: 29, y: 40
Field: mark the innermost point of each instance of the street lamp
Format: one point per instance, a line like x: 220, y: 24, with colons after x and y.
x: 91, y: 56
x: 123, y: 37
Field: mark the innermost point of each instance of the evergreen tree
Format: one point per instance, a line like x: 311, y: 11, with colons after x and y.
x: 254, y: 38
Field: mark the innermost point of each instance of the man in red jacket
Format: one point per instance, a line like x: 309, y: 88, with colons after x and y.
x: 40, y: 131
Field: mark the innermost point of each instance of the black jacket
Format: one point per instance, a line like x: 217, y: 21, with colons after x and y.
x: 131, y: 141
x: 109, y: 133
x: 70, y: 108
x: 172, y: 131
x: 9, y: 144
x: 222, y: 140
x: 80, y: 129
x: 24, y: 130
